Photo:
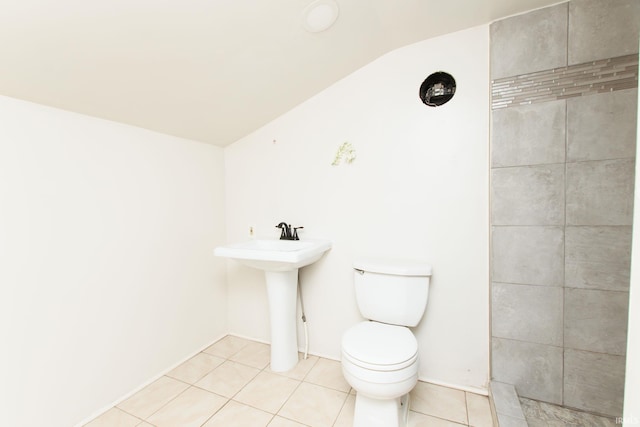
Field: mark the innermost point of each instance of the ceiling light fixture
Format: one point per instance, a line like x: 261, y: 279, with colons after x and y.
x: 320, y: 15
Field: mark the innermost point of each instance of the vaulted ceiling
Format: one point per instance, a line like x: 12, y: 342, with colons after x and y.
x: 207, y: 70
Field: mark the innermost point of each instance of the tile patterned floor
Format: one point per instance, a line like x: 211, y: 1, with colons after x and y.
x: 540, y: 414
x: 230, y: 384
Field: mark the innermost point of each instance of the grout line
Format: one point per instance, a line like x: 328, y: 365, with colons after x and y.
x: 344, y: 403
x: 562, y: 287
x: 216, y: 412
x: 526, y: 166
x: 438, y: 418
x: 288, y: 398
x: 556, y: 346
x: 566, y: 162
x: 568, y: 32
x: 466, y: 408
x: 564, y: 230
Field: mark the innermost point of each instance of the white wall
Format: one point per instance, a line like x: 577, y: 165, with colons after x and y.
x: 106, y: 269
x: 418, y: 188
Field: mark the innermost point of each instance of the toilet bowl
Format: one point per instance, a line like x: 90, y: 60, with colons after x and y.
x: 380, y: 356
x: 380, y: 362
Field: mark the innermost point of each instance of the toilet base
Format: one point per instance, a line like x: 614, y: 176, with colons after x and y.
x: 381, y: 413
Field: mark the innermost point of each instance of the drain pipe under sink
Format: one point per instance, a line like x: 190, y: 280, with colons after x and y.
x: 304, y: 323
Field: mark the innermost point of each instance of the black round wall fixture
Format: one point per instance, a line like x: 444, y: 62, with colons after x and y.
x: 437, y: 89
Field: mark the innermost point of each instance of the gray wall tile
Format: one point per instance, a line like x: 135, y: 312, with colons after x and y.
x: 537, y: 192
x: 601, y: 29
x: 528, y: 195
x: 598, y: 257
x: 594, y: 382
x: 529, y: 135
x: 528, y: 255
x: 534, y: 369
x: 596, y: 320
x: 531, y: 42
x: 600, y: 192
x: 602, y: 126
x: 527, y: 313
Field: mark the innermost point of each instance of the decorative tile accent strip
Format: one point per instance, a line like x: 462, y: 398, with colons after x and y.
x: 590, y: 78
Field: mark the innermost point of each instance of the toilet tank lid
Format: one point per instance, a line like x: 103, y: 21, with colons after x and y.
x: 398, y: 267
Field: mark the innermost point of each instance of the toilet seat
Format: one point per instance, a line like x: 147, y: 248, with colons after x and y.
x: 379, y: 346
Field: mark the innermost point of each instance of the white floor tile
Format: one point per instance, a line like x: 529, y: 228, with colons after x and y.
x: 283, y: 422
x: 301, y: 369
x: 345, y: 418
x: 227, y: 346
x: 479, y: 410
x: 314, y: 405
x: 440, y: 402
x: 153, y: 397
x: 236, y: 414
x: 254, y: 354
x: 114, y: 417
x: 196, y: 367
x: 228, y: 378
x: 328, y: 373
x: 314, y: 394
x: 190, y: 409
x: 267, y: 391
x: 417, y: 419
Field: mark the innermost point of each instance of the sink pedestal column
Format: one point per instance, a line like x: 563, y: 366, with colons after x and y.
x: 282, y: 292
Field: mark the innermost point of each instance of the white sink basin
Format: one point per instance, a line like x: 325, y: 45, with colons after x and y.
x: 280, y: 260
x: 275, y: 255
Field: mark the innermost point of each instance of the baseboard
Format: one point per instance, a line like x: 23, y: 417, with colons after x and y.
x: 470, y: 389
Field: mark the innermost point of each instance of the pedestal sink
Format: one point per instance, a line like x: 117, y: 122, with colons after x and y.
x: 280, y: 260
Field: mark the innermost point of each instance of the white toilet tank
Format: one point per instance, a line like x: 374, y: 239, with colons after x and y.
x: 392, y: 291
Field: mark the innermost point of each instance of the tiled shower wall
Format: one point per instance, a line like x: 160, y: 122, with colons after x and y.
x: 563, y: 151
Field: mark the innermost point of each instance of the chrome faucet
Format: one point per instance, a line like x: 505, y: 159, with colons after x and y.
x: 286, y: 234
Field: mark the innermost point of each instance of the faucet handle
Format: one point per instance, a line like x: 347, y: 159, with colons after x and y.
x: 284, y: 234
x: 295, y: 232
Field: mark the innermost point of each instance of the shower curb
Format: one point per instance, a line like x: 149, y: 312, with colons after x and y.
x: 505, y: 406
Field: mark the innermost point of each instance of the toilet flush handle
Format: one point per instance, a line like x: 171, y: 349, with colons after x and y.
x: 359, y: 271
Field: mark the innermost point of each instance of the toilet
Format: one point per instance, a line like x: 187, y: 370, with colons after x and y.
x: 380, y: 355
